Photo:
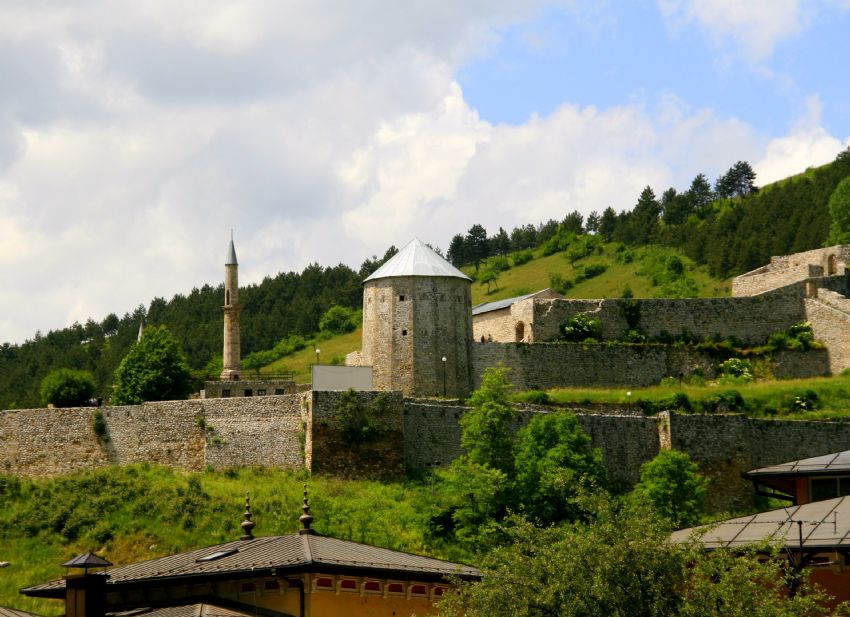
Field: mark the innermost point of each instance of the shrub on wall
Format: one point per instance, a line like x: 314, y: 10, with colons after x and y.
x: 67, y: 387
x: 580, y: 328
x: 359, y: 422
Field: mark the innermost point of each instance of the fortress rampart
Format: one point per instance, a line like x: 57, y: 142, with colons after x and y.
x: 298, y: 431
x: 542, y: 366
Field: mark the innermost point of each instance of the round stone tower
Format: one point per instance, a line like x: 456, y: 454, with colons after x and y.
x: 417, y: 324
x: 231, y: 351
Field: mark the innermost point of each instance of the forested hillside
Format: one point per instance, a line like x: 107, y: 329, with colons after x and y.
x: 730, y: 227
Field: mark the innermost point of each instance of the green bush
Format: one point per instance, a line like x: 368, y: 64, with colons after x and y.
x: 340, y: 319
x: 522, y: 257
x: 737, y: 368
x: 67, y: 387
x: 559, y: 283
x: 155, y: 369
x: 727, y: 401
x: 580, y: 328
x: 499, y: 263
x: 534, y: 397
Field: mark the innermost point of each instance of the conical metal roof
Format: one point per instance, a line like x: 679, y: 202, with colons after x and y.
x: 416, y: 259
x: 87, y: 560
x: 230, y: 260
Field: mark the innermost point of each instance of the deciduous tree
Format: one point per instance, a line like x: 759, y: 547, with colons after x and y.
x: 155, y: 369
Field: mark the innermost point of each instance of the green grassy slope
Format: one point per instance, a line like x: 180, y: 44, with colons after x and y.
x: 534, y: 275
x: 129, y: 514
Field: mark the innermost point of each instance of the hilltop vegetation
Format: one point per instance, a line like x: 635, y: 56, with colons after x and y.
x: 685, y: 243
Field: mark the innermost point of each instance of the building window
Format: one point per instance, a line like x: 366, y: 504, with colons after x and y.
x: 404, y: 332
x: 261, y: 392
x: 271, y: 585
x: 249, y: 392
x: 401, y: 298
x: 348, y: 584
x: 395, y: 588
x: 278, y: 391
x: 324, y: 582
x: 372, y: 587
x: 246, y: 588
x: 225, y: 393
x: 418, y: 590
x: 827, y: 488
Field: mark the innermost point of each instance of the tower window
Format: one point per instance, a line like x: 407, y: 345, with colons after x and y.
x: 404, y: 332
x: 401, y: 298
x: 225, y: 393
x: 227, y: 296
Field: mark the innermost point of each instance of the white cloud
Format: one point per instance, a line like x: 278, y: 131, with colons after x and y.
x: 756, y: 26
x: 135, y: 138
x: 808, y: 144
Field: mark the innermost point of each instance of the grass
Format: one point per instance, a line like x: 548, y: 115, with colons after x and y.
x: 767, y: 399
x: 534, y: 275
x: 139, y: 512
x: 301, y: 361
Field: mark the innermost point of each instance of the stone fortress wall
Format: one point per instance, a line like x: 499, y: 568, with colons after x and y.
x: 297, y: 432
x: 787, y: 269
x: 542, y: 366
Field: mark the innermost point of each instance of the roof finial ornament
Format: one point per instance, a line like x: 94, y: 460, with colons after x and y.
x: 247, y: 524
x: 306, y: 518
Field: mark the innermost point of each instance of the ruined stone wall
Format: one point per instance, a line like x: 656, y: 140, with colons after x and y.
x: 786, y: 269
x: 750, y: 319
x: 541, y: 366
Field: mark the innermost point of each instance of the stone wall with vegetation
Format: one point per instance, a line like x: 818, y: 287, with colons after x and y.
x: 414, y: 434
x: 355, y: 434
x: 750, y: 319
x: 542, y: 366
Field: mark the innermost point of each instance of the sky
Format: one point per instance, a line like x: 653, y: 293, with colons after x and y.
x: 134, y: 136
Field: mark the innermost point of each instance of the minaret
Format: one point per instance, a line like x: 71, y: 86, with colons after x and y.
x: 231, y: 353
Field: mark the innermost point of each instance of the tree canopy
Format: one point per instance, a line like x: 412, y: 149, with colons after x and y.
x: 67, y: 387
x: 839, y: 212
x: 155, y: 369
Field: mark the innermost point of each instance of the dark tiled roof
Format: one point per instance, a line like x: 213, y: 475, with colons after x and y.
x: 13, y: 612
x: 828, y: 464
x: 188, y: 610
x: 826, y: 525
x: 294, y: 553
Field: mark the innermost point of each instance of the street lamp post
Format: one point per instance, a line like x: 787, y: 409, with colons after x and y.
x: 629, y: 397
x: 444, y: 376
x: 317, y: 354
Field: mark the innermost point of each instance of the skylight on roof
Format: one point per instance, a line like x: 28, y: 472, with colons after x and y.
x: 216, y: 555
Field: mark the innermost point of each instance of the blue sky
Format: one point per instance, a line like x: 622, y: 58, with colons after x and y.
x: 606, y: 57
x: 134, y: 136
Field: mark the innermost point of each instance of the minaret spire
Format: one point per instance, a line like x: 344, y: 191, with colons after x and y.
x: 231, y: 352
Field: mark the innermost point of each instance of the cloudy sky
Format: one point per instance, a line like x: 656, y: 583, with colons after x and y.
x: 135, y: 135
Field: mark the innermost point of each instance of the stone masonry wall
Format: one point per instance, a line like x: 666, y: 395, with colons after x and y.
x: 327, y: 451
x: 831, y: 325
x: 750, y: 319
x: 269, y: 433
x: 787, y: 269
x: 49, y: 442
x: 541, y: 366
